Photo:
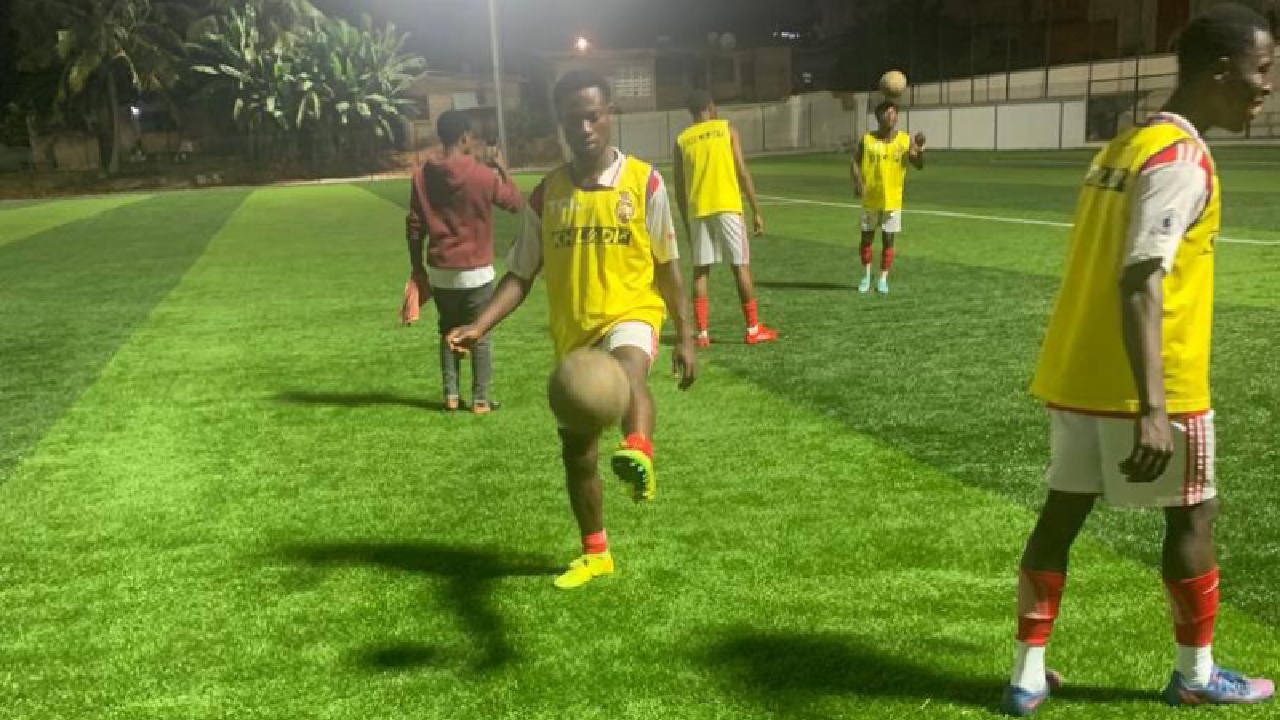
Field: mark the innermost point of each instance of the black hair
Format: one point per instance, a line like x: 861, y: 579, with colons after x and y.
x: 698, y: 101
x: 452, y: 125
x: 575, y: 80
x: 884, y: 106
x: 1226, y: 30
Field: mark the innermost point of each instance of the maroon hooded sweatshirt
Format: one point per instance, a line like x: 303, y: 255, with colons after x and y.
x: 451, y: 202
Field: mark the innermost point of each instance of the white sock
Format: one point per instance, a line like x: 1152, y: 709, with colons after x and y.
x: 1196, y: 664
x: 703, y: 333
x: 1028, y: 668
x: 884, y: 275
x: 753, y: 329
x: 866, y: 272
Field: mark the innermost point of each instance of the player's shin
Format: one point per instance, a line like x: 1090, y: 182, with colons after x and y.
x: 1193, y: 605
x: 1039, y: 596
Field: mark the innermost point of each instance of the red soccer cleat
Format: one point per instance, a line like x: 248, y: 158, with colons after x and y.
x: 763, y: 334
x: 704, y: 341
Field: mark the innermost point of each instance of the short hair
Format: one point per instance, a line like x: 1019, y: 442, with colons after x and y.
x: 575, y: 80
x: 1226, y: 30
x: 698, y: 101
x: 884, y: 106
x: 452, y: 125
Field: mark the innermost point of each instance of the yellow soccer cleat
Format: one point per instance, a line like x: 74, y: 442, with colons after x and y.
x: 585, y: 569
x: 633, y: 464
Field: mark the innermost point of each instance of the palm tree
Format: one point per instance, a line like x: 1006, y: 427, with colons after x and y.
x: 363, y: 74
x: 279, y: 22
x: 96, y: 43
x: 256, y: 79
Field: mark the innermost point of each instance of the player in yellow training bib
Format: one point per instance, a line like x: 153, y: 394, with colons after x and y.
x: 1124, y: 368
x: 879, y: 173
x: 710, y: 178
x: 599, y: 229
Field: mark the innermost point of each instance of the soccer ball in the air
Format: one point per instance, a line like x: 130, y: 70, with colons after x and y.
x: 588, y: 391
x: 893, y: 83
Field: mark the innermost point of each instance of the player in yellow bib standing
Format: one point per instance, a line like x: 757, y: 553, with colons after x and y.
x: 710, y: 178
x: 879, y: 173
x: 599, y: 229
x: 1125, y: 364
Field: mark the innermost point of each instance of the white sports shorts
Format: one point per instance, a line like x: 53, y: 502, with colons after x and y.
x: 1087, y: 451
x: 715, y: 235
x: 889, y: 221
x: 632, y: 334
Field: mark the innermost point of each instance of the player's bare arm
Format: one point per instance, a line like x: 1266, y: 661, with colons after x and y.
x: 684, y: 358
x: 855, y: 170
x: 916, y: 154
x: 1141, y: 311
x: 509, y: 295
x: 745, y: 180
x: 682, y: 199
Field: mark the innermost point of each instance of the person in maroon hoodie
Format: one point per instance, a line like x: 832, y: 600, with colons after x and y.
x: 451, y: 204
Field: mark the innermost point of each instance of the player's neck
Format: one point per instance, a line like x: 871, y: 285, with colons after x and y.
x: 1183, y: 103
x: 885, y: 133
x: 702, y: 117
x: 454, y: 151
x: 591, y: 166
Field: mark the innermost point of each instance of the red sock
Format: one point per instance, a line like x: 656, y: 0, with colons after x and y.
x: 595, y: 543
x: 638, y: 441
x: 867, y: 254
x: 1194, y: 606
x: 701, y: 313
x: 886, y: 259
x: 1039, y: 594
x: 750, y: 312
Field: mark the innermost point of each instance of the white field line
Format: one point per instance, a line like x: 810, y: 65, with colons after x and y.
x: 992, y: 218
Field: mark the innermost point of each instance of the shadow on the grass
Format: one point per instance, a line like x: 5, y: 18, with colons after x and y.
x: 470, y: 573
x: 399, y: 656
x: 785, y: 670
x: 356, y: 399
x: 802, y: 285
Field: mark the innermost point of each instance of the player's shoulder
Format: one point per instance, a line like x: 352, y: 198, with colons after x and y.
x: 1186, y: 152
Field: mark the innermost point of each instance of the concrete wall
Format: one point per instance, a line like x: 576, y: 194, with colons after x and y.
x: 814, y: 121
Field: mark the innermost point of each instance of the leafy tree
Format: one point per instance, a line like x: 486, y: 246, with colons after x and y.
x: 97, y: 45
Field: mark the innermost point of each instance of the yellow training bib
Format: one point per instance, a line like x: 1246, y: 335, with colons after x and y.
x: 711, y: 178
x: 1083, y: 363
x: 597, y: 257
x: 884, y: 171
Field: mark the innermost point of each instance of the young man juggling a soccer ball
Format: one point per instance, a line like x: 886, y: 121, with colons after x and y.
x: 599, y: 229
x: 879, y: 174
x: 1125, y: 364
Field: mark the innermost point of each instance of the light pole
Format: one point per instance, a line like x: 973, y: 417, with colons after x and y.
x: 497, y: 75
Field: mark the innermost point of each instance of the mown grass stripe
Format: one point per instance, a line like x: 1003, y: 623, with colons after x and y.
x: 18, y: 223
x: 71, y: 295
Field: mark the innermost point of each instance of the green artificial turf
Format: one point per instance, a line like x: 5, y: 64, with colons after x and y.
x: 230, y: 491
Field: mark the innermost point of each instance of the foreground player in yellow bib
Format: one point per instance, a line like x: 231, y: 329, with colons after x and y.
x: 879, y: 174
x: 710, y: 177
x: 599, y: 229
x: 1125, y: 363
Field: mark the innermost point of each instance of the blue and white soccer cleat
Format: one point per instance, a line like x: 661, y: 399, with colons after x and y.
x: 882, y: 286
x: 1226, y: 688
x: 1023, y: 703
x: 865, y: 286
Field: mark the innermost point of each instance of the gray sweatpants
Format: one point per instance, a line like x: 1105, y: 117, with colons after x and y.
x: 457, y: 308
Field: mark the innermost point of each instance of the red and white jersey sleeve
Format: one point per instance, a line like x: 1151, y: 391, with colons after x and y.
x: 1170, y: 195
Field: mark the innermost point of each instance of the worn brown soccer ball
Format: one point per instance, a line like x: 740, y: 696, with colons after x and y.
x: 893, y: 83
x: 588, y: 391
